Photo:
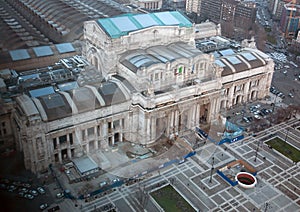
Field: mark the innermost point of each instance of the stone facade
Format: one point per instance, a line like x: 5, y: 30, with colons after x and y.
x: 155, y: 83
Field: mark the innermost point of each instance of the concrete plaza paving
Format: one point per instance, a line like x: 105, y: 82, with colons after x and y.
x: 277, y: 188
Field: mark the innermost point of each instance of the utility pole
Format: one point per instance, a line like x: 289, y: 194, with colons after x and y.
x: 286, y: 135
x: 212, y: 168
x: 256, y: 151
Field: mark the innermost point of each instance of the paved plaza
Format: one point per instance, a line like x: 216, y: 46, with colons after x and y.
x: 277, y: 188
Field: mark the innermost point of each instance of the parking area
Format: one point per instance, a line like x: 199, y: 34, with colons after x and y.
x: 254, y: 116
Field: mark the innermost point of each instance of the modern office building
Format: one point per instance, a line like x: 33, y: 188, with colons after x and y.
x: 151, y: 78
x: 290, y: 20
x: 239, y: 13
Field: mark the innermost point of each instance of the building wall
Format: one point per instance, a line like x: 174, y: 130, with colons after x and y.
x: 195, y: 99
x: 241, y: 14
x: 150, y: 5
x: 7, y: 138
x: 193, y: 6
x: 290, y: 20
x: 104, y: 52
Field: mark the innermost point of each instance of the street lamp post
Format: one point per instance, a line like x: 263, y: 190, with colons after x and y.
x: 274, y: 103
x: 256, y: 151
x: 286, y: 135
x: 212, y: 168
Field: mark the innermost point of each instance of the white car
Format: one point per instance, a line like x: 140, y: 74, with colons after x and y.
x: 115, y: 180
x: 29, y: 196
x: 103, y: 184
x: 33, y: 192
x: 41, y: 190
x: 257, y: 117
x: 60, y: 195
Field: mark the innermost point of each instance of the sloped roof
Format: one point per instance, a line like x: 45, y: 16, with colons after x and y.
x: 158, y: 54
x: 118, y: 26
x: 238, y: 61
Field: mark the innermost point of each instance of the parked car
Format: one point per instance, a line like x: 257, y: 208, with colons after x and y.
x: 41, y: 190
x: 11, y: 188
x: 25, y: 190
x: 21, y: 194
x: 59, y: 195
x: 257, y: 117
x: 33, y: 192
x: 246, y: 119
x: 44, y: 206
x: 29, y: 196
x: 115, y: 180
x: 102, y: 184
x: 291, y: 95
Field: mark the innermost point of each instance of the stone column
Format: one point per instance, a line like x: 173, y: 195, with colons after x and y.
x: 246, y: 91
x: 197, y: 118
x: 172, y: 121
x: 230, y: 95
x: 176, y: 121
x: 153, y: 128
x: 68, y: 146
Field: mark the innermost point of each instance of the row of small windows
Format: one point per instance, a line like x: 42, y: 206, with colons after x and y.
x: 241, y: 87
x: 87, y: 133
x: 61, y: 140
x: 178, y: 71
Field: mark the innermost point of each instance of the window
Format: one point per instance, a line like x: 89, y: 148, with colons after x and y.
x: 109, y: 126
x: 83, y: 134
x: 156, y: 76
x: 56, y: 158
x: 71, y: 138
x: 237, y: 88
x: 179, y: 70
x: 201, y: 65
x: 62, y: 139
x: 98, y: 130
x: 116, y: 124
x: 4, y: 131
x: 54, y: 143
x: 90, y: 131
x: 3, y: 124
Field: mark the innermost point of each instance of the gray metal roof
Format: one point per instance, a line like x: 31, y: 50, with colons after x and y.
x: 64, y: 48
x: 55, y: 106
x: 67, y: 86
x: 84, y: 99
x: 85, y: 164
x: 41, y: 91
x: 111, y: 93
x: 19, y: 54
x: 42, y: 51
x: 157, y: 54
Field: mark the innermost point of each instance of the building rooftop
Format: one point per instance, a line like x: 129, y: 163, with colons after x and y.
x: 230, y: 56
x: 158, y: 54
x: 85, y: 164
x: 122, y: 25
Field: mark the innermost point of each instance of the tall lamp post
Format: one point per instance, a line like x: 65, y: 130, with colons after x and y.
x: 212, y: 168
x: 256, y: 151
x: 286, y: 135
x: 274, y: 103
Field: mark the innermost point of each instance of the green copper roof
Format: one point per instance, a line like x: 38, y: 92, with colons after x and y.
x: 118, y: 26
